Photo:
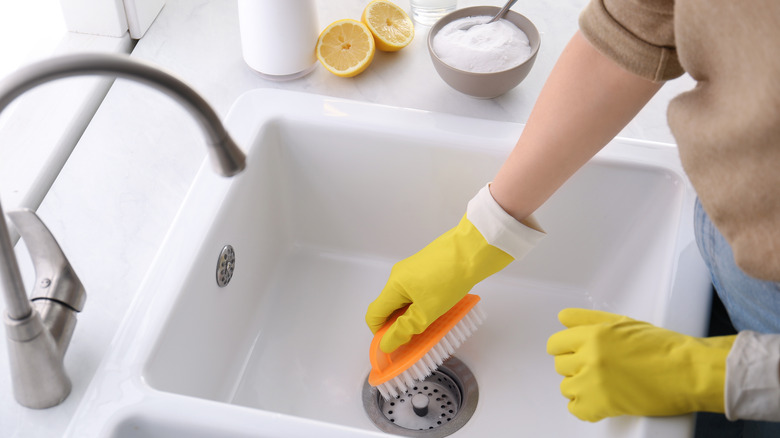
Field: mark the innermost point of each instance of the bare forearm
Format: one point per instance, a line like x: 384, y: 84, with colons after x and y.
x: 586, y: 101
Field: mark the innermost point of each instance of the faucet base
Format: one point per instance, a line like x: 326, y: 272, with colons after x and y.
x: 36, y: 363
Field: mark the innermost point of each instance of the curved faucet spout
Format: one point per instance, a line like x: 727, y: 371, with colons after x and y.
x: 227, y: 158
x: 37, y: 344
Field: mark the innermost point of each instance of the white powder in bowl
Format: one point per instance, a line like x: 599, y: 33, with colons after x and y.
x: 481, y: 48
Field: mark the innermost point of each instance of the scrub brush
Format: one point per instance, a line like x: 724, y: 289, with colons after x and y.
x: 393, y: 373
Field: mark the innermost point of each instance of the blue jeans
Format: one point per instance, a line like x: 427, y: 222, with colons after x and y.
x: 751, y: 304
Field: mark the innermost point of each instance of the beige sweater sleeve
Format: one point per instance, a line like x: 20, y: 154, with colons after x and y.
x: 638, y: 35
x: 727, y: 127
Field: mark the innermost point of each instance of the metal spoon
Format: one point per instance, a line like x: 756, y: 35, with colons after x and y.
x: 502, y: 11
x: 497, y: 17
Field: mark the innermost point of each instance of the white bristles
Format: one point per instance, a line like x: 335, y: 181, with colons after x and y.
x: 479, y: 314
x: 429, y: 362
x: 440, y: 352
x: 400, y: 383
x: 471, y: 322
x: 448, y: 348
x: 460, y: 333
x: 419, y: 370
x: 453, y: 341
x: 435, y: 356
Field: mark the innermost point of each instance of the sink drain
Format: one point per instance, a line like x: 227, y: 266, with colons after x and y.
x: 435, y: 407
x: 225, y: 265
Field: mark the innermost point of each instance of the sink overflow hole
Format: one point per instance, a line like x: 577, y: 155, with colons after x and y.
x: 435, y: 407
x: 225, y: 265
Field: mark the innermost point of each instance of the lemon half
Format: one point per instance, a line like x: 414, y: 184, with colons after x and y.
x: 391, y: 26
x: 346, y: 48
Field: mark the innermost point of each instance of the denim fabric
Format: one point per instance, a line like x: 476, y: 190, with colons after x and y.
x: 751, y: 304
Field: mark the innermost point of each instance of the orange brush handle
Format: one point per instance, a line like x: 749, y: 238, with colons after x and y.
x: 385, y: 367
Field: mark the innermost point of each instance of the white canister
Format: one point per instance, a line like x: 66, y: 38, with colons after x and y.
x: 278, y: 37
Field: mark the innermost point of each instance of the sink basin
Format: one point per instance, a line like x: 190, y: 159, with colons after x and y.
x: 334, y: 193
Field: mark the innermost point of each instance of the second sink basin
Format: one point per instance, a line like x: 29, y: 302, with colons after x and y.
x: 334, y: 193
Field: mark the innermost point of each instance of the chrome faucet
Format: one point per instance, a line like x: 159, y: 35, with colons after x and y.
x: 39, y: 329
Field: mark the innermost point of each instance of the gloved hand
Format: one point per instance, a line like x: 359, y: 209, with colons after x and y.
x: 614, y: 365
x: 438, y: 276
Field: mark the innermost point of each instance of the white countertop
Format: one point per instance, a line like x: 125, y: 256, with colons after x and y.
x: 115, y: 198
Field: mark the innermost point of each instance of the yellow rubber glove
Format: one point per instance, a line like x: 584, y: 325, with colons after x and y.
x: 438, y: 276
x: 432, y: 281
x: 614, y: 365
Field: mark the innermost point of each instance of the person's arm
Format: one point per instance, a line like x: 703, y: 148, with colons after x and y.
x: 586, y: 101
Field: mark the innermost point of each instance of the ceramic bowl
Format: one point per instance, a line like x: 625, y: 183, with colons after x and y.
x: 484, y: 85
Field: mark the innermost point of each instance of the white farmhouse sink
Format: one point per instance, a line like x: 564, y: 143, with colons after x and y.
x: 334, y: 193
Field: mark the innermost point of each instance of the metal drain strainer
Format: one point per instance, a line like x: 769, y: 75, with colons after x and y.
x: 226, y: 264
x: 434, y: 407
